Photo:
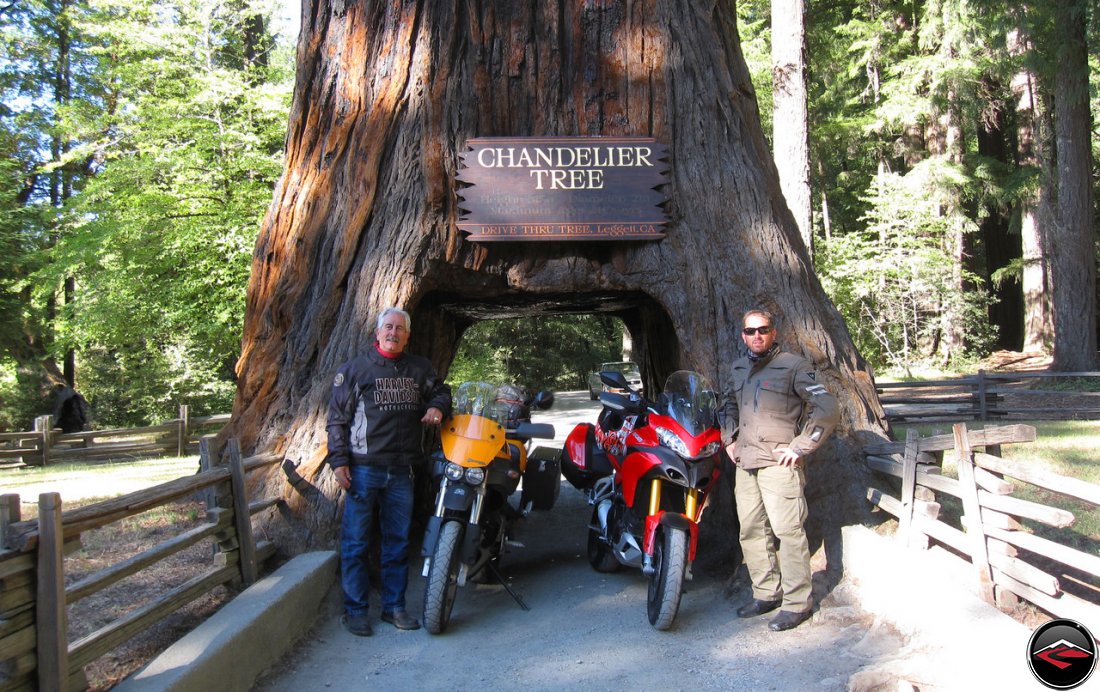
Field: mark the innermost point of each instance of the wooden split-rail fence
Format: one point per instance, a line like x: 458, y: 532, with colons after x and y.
x: 35, y: 651
x: 984, y: 396
x: 48, y: 445
x: 991, y: 529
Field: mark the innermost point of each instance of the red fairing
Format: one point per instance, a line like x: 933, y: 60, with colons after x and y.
x: 635, y: 466
x: 574, y: 445
x: 694, y: 444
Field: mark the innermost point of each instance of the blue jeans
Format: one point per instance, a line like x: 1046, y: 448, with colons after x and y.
x: 391, y: 488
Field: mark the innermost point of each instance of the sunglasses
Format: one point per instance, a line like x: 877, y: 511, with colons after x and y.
x: 750, y: 331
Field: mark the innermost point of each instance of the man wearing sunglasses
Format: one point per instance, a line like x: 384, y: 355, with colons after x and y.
x: 778, y: 415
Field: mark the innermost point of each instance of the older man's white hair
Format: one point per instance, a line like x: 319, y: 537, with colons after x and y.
x: 395, y: 311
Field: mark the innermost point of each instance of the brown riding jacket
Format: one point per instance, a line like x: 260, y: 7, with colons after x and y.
x: 777, y: 402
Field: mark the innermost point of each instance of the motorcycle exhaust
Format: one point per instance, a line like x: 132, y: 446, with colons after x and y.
x: 603, y: 509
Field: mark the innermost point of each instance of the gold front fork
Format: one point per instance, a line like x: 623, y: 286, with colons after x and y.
x: 691, y: 504
x: 654, y: 496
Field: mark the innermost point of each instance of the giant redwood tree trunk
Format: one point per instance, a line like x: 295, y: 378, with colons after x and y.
x: 388, y: 94
x: 1073, y: 267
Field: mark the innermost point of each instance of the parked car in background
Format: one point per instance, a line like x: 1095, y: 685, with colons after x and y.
x: 629, y: 370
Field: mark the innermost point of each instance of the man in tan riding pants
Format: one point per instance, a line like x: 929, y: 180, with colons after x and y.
x: 782, y: 415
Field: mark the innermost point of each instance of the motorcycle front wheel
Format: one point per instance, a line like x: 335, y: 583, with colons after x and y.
x: 667, y: 582
x: 599, y: 553
x: 439, y: 593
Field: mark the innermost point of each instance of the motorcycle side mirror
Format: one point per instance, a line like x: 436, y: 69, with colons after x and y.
x: 543, y: 399
x: 614, y: 378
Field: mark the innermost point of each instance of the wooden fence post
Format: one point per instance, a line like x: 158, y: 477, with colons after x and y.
x: 972, y: 513
x: 240, y: 536
x: 9, y: 514
x: 184, y: 430
x: 908, y: 487
x: 206, y: 462
x: 983, y: 405
x: 43, y: 425
x: 241, y: 516
x: 51, y: 624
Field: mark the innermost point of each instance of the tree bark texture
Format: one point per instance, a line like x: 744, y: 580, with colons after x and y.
x: 1035, y: 213
x: 1073, y: 278
x: 790, y: 123
x: 958, y: 244
x: 364, y: 215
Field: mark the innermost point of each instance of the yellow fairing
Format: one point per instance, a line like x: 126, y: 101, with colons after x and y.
x: 471, y: 440
x: 522, y: 456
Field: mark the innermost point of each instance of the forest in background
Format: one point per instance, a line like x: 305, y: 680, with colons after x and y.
x: 142, y: 140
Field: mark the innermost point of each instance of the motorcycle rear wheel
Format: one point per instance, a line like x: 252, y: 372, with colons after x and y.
x: 599, y: 552
x: 442, y: 585
x: 666, y: 585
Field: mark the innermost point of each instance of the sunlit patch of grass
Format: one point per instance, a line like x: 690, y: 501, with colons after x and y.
x: 83, y: 482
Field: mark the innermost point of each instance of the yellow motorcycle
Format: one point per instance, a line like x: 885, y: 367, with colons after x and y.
x: 483, y: 458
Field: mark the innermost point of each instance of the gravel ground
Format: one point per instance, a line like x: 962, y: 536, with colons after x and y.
x: 586, y: 629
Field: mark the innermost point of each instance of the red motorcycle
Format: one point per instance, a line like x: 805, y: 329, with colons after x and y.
x: 646, y: 467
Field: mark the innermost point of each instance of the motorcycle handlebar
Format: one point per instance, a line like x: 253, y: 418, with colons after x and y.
x: 629, y: 403
x: 529, y: 430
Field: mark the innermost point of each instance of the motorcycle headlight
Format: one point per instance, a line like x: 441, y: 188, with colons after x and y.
x: 475, y: 476
x: 453, y: 471
x: 710, y: 449
x: 670, y: 440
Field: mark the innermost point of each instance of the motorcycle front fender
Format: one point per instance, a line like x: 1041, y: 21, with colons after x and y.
x: 674, y: 521
x: 471, y: 542
x: 451, y: 499
x: 431, y: 535
x: 458, y: 497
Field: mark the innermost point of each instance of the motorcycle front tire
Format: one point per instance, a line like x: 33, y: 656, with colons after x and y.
x: 599, y: 552
x: 442, y: 585
x: 666, y: 585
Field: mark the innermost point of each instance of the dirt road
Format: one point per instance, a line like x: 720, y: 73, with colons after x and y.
x: 584, y: 629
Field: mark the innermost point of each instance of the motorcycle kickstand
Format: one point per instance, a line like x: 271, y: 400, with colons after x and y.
x: 515, y: 596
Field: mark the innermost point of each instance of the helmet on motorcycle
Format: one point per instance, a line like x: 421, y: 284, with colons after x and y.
x: 510, y: 393
x: 512, y: 399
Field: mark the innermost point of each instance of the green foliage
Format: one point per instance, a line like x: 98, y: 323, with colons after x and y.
x: 900, y: 93
x: 146, y: 385
x: 555, y: 353
x: 23, y: 395
x: 895, y: 281
x: 179, y: 132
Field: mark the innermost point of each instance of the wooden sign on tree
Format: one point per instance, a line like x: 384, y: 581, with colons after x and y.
x: 562, y: 188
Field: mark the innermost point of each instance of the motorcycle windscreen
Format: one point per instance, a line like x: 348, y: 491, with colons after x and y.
x: 689, y: 399
x: 471, y: 440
